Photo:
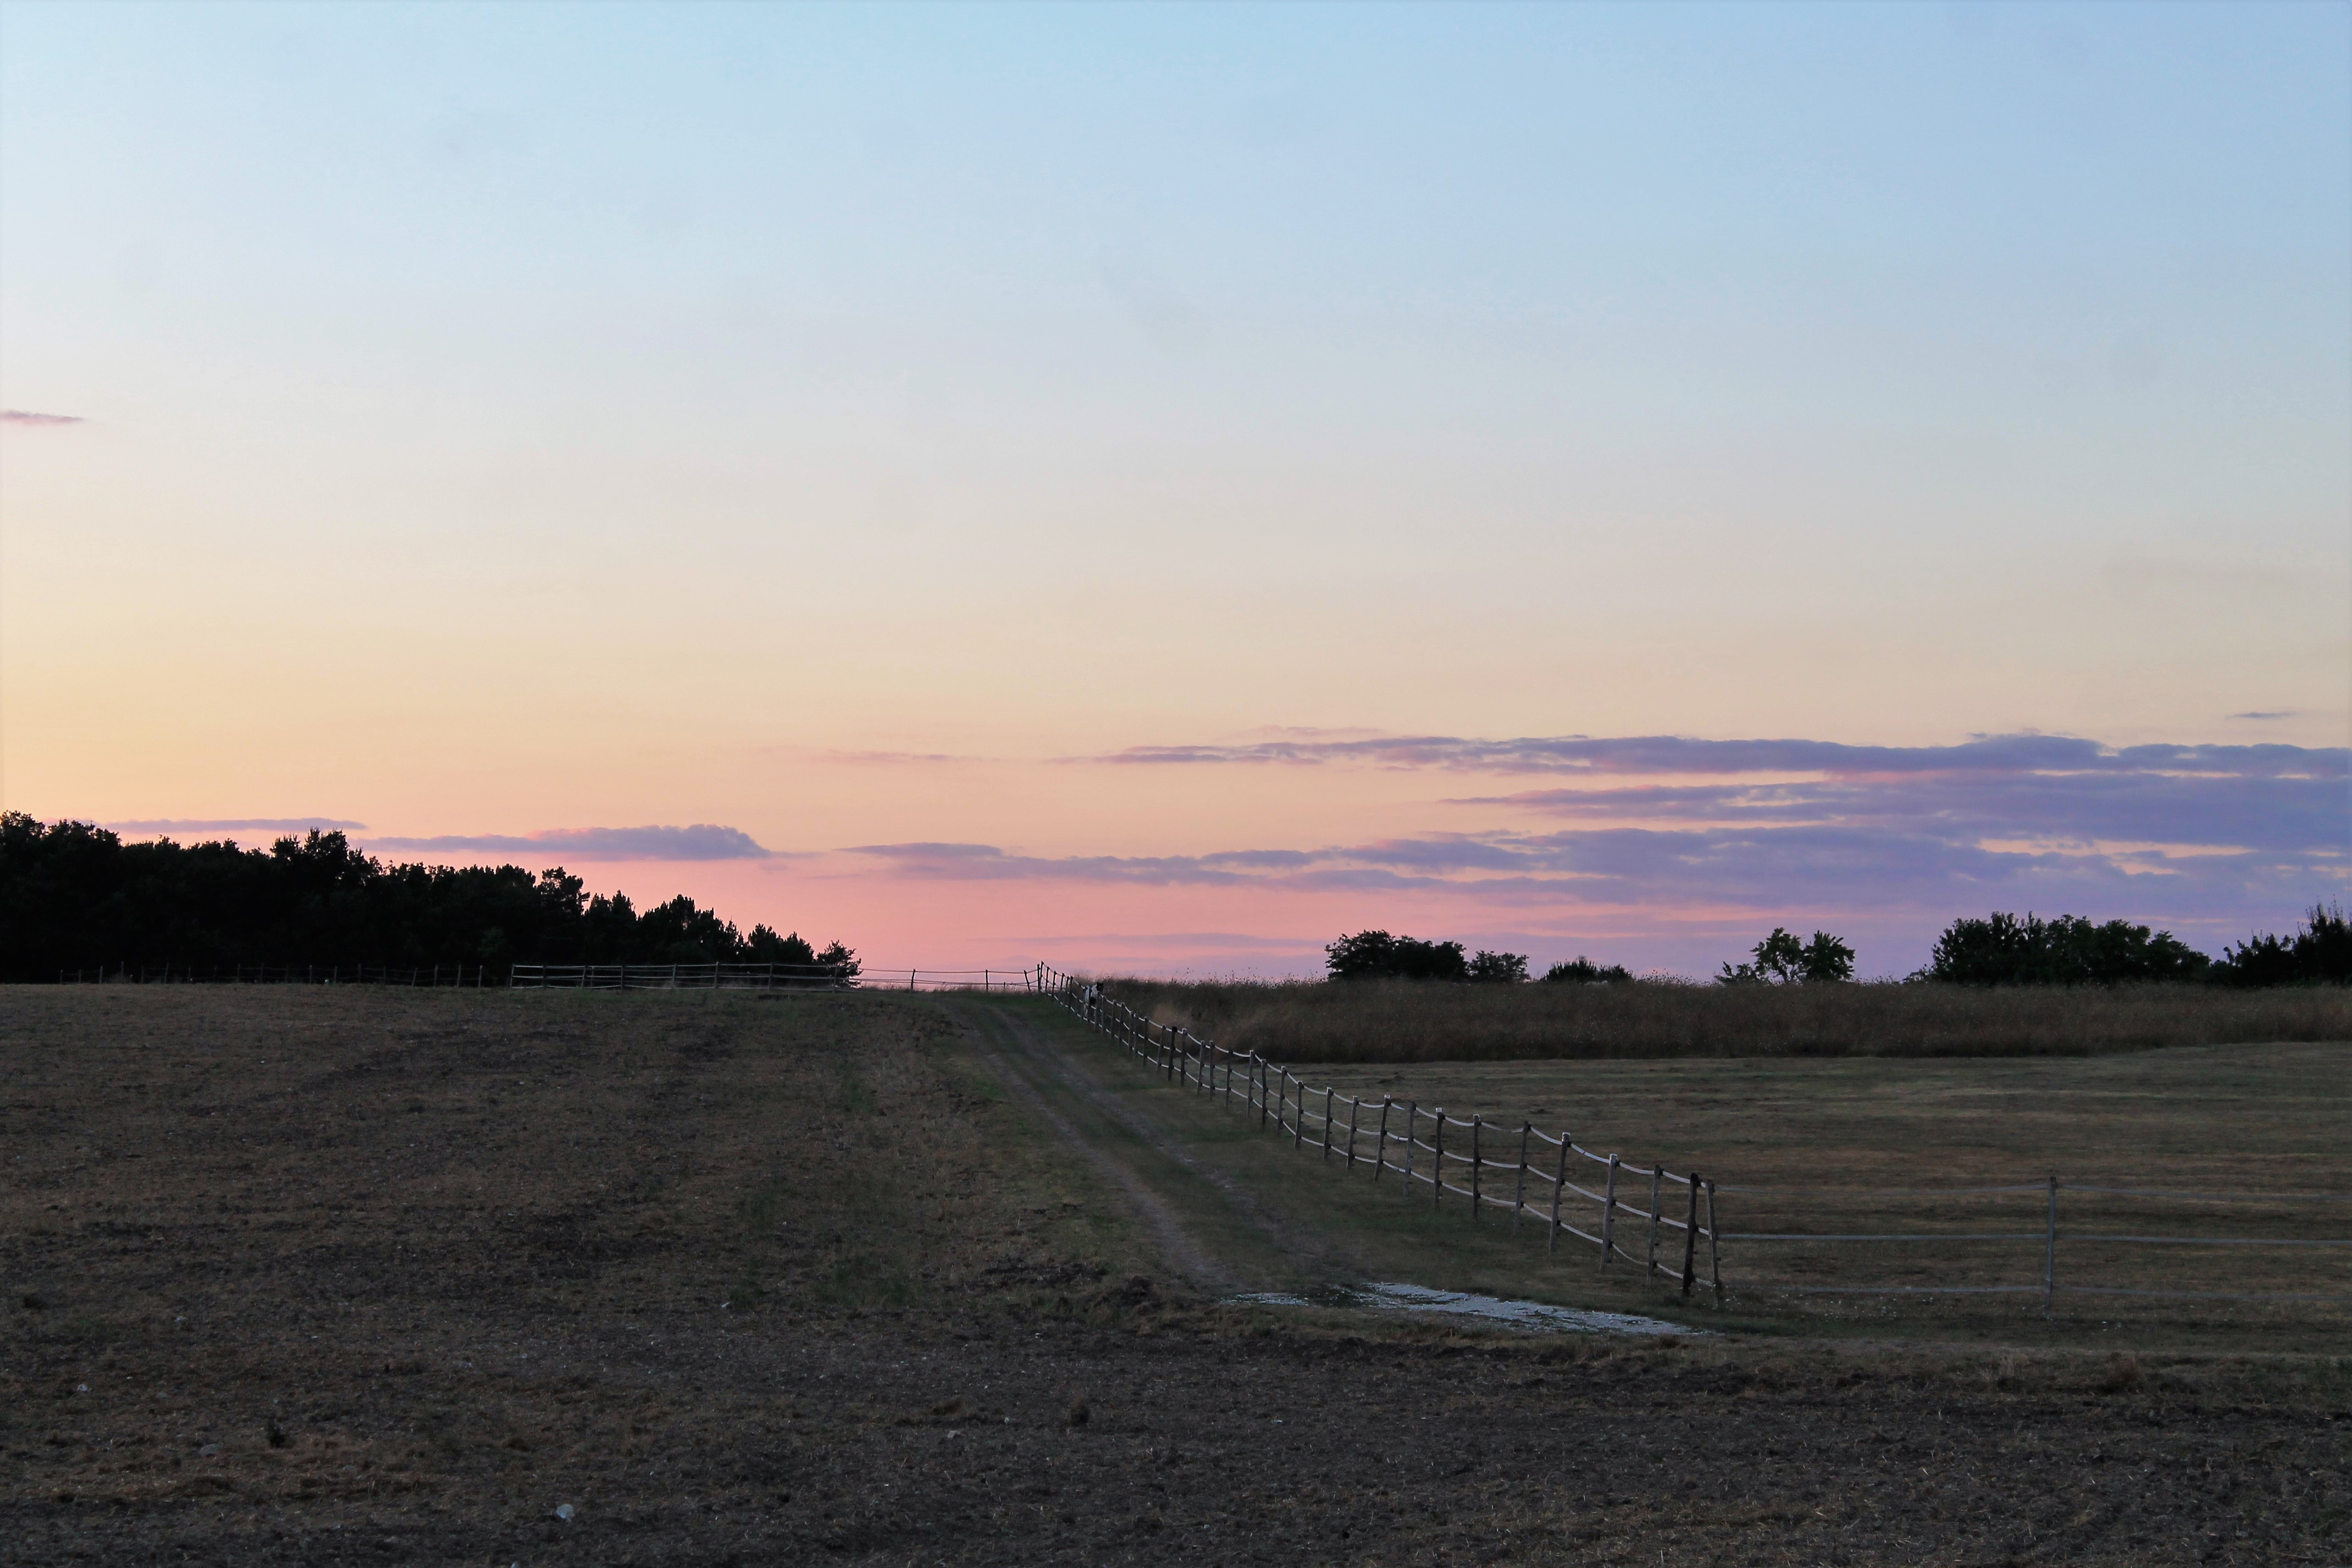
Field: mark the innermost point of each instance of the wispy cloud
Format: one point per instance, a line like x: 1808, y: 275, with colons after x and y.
x: 2272, y: 713
x: 896, y: 758
x: 702, y: 841
x: 1676, y: 754
x: 2258, y: 811
x: 27, y: 416
x: 168, y: 825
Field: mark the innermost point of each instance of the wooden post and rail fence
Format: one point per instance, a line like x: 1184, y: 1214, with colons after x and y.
x: 1401, y: 1142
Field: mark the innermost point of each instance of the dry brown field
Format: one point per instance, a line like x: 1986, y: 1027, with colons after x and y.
x: 302, y: 1275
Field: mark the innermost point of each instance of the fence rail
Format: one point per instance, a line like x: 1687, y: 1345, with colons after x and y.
x: 1623, y: 1211
x: 1409, y: 1146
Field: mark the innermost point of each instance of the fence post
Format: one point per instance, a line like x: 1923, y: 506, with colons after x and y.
x: 1327, y: 1123
x: 1261, y: 1093
x: 1411, y: 1131
x: 1478, y: 1163
x: 1559, y: 1186
x: 1690, y: 1239
x: 1609, y: 1213
x: 1657, y: 1182
x: 1519, y: 1186
x: 1437, y: 1159
x: 1299, y: 1117
x: 2050, y: 1254
x: 1354, y: 1106
x: 1380, y: 1160
x: 1714, y: 1247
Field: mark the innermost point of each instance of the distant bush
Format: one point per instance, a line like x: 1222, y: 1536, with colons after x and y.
x: 73, y: 895
x: 1377, y: 955
x: 2002, y: 950
x: 1582, y: 970
x: 1781, y: 960
x: 1502, y: 968
x: 2318, y: 954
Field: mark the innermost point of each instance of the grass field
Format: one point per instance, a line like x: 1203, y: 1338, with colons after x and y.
x: 307, y: 1275
x: 1403, y: 1021
x: 1816, y: 1146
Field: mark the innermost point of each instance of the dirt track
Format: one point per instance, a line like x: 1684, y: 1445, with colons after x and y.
x: 677, y: 1267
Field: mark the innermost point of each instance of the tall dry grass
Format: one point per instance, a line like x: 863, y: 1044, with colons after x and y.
x: 1406, y: 1021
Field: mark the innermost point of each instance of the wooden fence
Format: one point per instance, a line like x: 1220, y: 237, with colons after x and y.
x: 1941, y: 1241
x: 1636, y: 1212
x: 761, y: 977
x: 764, y: 977
x: 472, y: 975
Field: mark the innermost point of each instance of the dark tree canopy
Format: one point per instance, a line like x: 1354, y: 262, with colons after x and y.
x: 1498, y: 968
x: 1582, y: 970
x: 2003, y: 950
x: 1376, y: 955
x: 2318, y: 954
x: 1781, y: 960
x: 73, y: 896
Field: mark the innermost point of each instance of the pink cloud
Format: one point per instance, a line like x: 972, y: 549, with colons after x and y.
x: 25, y: 416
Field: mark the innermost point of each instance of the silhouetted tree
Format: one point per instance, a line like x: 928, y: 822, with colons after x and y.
x: 2318, y: 954
x: 1500, y: 968
x: 1781, y: 960
x: 2002, y: 950
x: 1375, y: 954
x: 1582, y: 970
x: 73, y: 896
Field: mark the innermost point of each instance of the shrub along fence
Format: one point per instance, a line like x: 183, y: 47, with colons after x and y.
x: 1922, y: 1241
x: 1637, y: 1212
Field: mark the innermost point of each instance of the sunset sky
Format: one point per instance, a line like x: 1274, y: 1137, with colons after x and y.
x: 1156, y: 488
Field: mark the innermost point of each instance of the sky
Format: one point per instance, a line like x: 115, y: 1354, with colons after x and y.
x: 1154, y: 488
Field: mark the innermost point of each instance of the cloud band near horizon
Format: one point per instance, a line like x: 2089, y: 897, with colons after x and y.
x: 701, y: 841
x: 1676, y: 754
x: 2165, y: 832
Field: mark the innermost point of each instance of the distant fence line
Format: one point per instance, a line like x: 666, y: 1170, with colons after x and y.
x: 761, y: 977
x: 1283, y: 1102
x: 472, y: 975
x: 1286, y: 1104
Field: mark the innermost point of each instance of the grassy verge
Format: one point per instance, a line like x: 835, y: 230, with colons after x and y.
x: 1401, y: 1021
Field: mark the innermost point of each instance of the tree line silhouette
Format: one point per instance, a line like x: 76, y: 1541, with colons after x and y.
x: 1997, y: 950
x: 72, y: 894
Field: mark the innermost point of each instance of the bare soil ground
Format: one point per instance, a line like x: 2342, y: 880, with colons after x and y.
x: 308, y: 1276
